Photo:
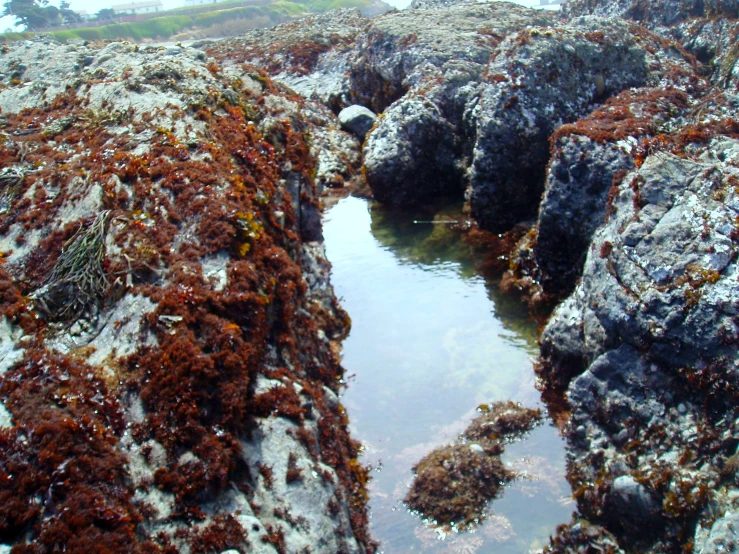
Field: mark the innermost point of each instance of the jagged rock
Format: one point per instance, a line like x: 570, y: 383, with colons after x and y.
x: 538, y: 79
x: 311, y: 55
x: 314, y: 49
x: 357, y: 120
x: 651, y: 326
x: 155, y: 416
x: 588, y: 159
x: 499, y: 91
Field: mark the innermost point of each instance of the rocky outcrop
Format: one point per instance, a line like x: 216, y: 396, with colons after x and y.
x: 169, y: 335
x: 589, y: 158
x: 539, y: 79
x: 495, y: 81
x: 645, y: 343
x: 658, y: 13
x: 312, y: 55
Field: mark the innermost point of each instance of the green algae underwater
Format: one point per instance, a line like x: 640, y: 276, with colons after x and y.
x: 431, y: 341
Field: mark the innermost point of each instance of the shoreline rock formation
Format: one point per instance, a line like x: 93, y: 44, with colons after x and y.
x: 170, y: 338
x: 170, y: 343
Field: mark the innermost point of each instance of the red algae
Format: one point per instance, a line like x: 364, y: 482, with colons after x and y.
x: 454, y: 483
x: 65, y: 482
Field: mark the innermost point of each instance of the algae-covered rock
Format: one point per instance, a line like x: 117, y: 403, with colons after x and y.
x: 404, y: 160
x: 650, y: 330
x: 169, y: 337
x: 453, y: 484
x: 490, y: 84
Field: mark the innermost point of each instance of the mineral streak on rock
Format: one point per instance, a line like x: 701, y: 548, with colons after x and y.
x: 453, y: 484
x: 189, y: 405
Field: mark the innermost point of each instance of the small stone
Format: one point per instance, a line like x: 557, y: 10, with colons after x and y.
x: 631, y: 500
x: 357, y: 120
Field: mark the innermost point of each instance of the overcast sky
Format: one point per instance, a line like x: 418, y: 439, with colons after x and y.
x: 94, y: 6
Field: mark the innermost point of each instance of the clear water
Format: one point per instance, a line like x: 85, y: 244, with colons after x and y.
x: 431, y: 341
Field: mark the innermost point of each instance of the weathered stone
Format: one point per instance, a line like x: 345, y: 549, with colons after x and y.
x: 200, y: 230
x: 357, y: 120
x: 723, y: 537
x: 405, y: 162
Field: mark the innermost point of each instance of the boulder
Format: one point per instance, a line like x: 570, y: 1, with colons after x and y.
x: 538, y: 79
x: 404, y: 160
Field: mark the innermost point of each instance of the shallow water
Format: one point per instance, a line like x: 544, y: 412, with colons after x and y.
x: 431, y: 341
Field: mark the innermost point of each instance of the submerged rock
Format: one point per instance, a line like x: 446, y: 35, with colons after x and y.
x: 170, y: 334
x: 453, y: 484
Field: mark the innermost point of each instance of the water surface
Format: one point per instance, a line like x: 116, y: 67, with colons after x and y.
x: 430, y: 341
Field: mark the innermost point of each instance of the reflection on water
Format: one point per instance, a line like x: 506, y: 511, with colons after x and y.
x: 430, y: 342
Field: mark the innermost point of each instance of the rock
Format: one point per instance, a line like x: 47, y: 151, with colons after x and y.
x: 646, y: 337
x: 538, y: 79
x: 589, y: 158
x: 454, y: 483
x: 631, y: 501
x: 723, y: 537
x: 199, y: 324
x: 497, y: 92
x: 357, y: 120
x: 582, y: 536
x: 311, y: 55
x: 404, y: 160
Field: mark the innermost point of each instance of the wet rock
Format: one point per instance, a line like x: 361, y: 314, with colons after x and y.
x: 631, y: 501
x: 646, y: 337
x: 723, y: 537
x: 453, y: 484
x: 404, y: 160
x: 588, y: 160
x: 582, y: 536
x: 193, y: 323
x: 497, y: 92
x: 357, y: 120
x: 537, y: 80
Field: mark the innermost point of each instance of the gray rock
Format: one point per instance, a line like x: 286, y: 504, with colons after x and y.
x: 631, y: 501
x: 650, y: 327
x: 405, y: 161
x: 312, y: 56
x: 723, y: 537
x: 538, y: 79
x: 659, y: 12
x: 357, y: 119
